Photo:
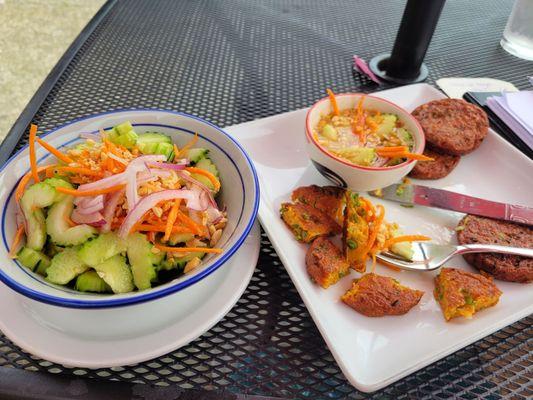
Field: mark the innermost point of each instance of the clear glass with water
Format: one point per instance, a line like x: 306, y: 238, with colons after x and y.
x: 518, y: 34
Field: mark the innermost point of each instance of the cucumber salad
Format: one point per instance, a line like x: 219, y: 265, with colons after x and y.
x: 120, y: 211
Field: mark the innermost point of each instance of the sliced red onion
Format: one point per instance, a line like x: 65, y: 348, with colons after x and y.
x: 213, y: 215
x: 89, y: 201
x: 104, y: 183
x: 146, y: 203
x: 110, y: 207
x: 117, y: 158
x: 188, y: 178
x: 94, y: 219
x: 121, y: 178
x: 175, y: 167
x: 90, y: 210
x: 137, y: 165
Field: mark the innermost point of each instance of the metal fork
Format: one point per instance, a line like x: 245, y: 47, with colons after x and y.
x: 429, y: 256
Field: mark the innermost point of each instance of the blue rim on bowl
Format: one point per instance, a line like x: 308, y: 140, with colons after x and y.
x: 151, y: 294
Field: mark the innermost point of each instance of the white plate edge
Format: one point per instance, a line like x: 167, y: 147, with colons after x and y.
x: 255, y: 234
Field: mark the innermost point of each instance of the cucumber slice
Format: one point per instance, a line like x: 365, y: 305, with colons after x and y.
x: 405, y: 136
x: 107, y: 245
x: 142, y: 260
x: 31, y: 258
x: 116, y: 273
x: 208, y: 165
x: 165, y: 149
x: 128, y: 140
x: 176, y: 238
x: 205, y: 180
x: 124, y: 128
x: 89, y: 281
x: 153, y: 137
x: 43, y: 265
x: 387, y: 125
x: 60, y: 231
x: 123, y: 134
x: 195, y: 155
x: 65, y: 266
x: 35, y: 198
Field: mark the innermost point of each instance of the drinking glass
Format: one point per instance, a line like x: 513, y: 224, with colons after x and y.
x: 518, y: 35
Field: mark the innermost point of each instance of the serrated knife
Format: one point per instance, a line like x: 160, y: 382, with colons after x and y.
x: 409, y: 194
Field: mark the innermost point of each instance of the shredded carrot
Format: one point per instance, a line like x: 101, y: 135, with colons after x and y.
x: 197, y: 229
x: 60, y: 156
x: 33, y: 158
x: 79, y: 171
x: 186, y: 148
x: 360, y: 106
x: 375, y: 229
x: 16, y: 241
x: 24, y: 181
x: 151, y: 236
x: 393, y: 267
x: 333, y: 101
x: 188, y: 249
x: 393, y: 149
x: 49, y: 171
x: 176, y: 152
x: 172, y: 215
x: 160, y: 228
x: 96, y: 192
x: 404, y: 154
x: 405, y: 238
x: 207, y: 174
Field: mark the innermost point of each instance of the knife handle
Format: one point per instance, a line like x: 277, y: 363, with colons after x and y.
x: 520, y: 214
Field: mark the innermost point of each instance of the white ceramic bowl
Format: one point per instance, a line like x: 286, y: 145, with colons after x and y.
x: 240, y: 194
x: 351, y: 175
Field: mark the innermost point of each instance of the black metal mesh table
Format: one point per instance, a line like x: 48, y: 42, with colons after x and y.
x: 236, y: 60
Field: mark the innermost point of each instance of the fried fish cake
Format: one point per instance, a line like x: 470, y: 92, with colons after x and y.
x: 307, y: 223
x: 440, y: 167
x: 452, y: 126
x: 325, y: 262
x: 462, y: 293
x: 376, y: 296
x: 505, y: 267
x: 355, y: 232
x: 328, y: 199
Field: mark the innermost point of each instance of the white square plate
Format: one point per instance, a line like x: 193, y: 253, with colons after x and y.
x: 375, y: 352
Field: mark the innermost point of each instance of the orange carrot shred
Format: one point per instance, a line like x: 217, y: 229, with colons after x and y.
x: 79, y: 193
x: 172, y: 215
x: 186, y: 148
x: 16, y: 242
x: 33, y: 158
x: 24, y: 181
x: 188, y: 249
x: 333, y: 101
x: 391, y: 149
x: 161, y: 228
x: 405, y: 238
x: 79, y: 171
x: 60, y: 156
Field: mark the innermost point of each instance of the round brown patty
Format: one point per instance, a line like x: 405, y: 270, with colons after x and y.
x: 441, y: 166
x: 490, y: 231
x: 452, y: 126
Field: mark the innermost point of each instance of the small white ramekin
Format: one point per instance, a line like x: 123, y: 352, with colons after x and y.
x: 353, y: 176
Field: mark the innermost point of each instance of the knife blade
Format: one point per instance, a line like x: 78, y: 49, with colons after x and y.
x: 410, y: 194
